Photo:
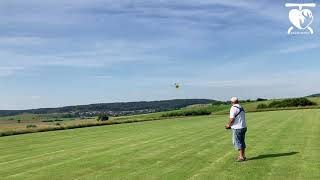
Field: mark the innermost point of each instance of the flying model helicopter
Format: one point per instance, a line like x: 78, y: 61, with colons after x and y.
x: 177, y: 85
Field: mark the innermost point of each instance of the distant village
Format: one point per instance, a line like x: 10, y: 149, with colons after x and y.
x: 84, y: 115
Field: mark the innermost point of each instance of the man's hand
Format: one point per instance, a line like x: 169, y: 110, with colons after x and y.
x: 228, y: 126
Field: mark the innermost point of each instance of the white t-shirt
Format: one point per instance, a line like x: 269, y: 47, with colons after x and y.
x: 240, y: 120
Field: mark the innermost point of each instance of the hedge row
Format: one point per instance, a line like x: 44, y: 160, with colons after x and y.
x: 74, y: 126
x: 295, y: 102
x: 199, y: 112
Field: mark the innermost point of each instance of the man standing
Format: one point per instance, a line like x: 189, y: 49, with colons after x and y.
x: 238, y: 125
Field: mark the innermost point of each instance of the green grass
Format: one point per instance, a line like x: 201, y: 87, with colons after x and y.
x: 184, y: 148
x: 19, y: 117
x: 315, y: 99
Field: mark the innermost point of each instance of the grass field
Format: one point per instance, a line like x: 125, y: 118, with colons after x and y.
x: 281, y: 145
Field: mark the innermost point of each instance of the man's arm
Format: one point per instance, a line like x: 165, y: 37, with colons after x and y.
x: 228, y: 126
x: 232, y: 116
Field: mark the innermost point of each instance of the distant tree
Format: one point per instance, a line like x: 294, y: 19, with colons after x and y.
x: 19, y: 121
x: 103, y: 117
x: 192, y: 112
x: 261, y: 99
x: 262, y: 106
x: 68, y: 115
x: 315, y: 95
x: 295, y: 102
x: 31, y: 126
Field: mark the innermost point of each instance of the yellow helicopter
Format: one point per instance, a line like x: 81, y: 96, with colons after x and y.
x: 177, y: 85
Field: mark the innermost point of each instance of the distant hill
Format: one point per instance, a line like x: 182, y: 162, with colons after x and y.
x: 315, y: 95
x: 121, y: 108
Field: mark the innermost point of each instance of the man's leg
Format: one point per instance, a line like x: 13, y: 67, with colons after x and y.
x: 238, y: 140
x: 242, y: 153
x: 242, y: 150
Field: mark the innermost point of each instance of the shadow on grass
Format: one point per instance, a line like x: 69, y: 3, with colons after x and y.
x: 272, y: 155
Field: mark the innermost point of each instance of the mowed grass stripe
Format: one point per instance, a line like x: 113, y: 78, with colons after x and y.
x: 171, y: 153
x: 132, y: 150
x: 310, y: 150
x: 298, y: 138
x: 74, y: 142
x: 97, y: 153
x: 169, y: 169
x: 168, y: 166
x: 191, y: 136
x: 189, y: 148
x: 255, y: 130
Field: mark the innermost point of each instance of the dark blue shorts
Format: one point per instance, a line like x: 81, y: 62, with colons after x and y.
x: 238, y: 138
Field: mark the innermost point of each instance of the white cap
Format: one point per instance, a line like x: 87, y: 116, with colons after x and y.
x: 234, y: 99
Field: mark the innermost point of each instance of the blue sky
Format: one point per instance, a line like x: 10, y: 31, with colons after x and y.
x: 55, y: 53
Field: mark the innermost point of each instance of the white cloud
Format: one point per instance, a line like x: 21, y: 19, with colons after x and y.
x: 9, y: 71
x: 293, y: 48
x: 102, y: 77
x: 35, y: 97
x: 261, y: 82
x: 79, y: 11
x: 21, y: 40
